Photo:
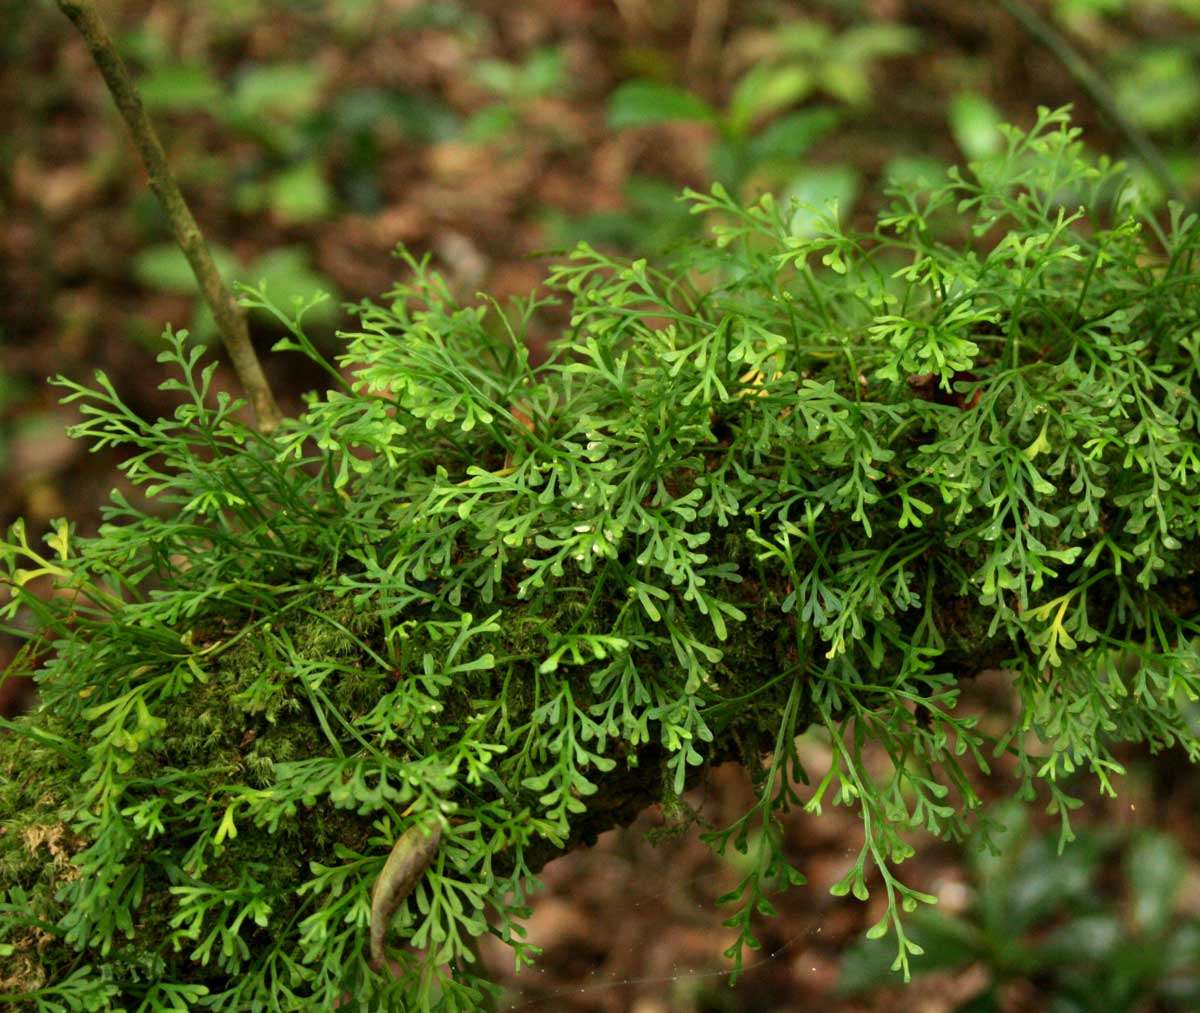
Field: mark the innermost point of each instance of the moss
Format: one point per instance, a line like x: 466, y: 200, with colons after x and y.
x: 37, y: 843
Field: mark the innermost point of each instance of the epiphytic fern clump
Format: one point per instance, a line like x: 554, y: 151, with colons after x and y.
x: 779, y: 484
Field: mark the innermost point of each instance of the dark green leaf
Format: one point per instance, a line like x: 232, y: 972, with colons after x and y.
x: 644, y: 103
x: 792, y: 135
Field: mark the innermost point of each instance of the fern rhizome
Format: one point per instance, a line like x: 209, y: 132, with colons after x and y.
x: 791, y: 480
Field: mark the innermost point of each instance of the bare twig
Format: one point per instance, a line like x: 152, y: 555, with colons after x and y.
x: 705, y: 42
x: 1097, y: 91
x: 231, y: 321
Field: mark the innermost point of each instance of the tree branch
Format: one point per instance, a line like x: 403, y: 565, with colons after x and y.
x: 231, y: 320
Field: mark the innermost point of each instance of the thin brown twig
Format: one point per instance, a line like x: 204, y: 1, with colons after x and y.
x: 1098, y: 92
x: 231, y: 320
x: 705, y: 43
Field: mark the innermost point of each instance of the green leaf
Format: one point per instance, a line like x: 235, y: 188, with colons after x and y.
x: 490, y: 123
x: 975, y: 124
x: 1155, y: 867
x: 1086, y: 939
x: 866, y: 965
x: 289, y: 278
x: 765, y: 90
x: 813, y: 191
x: 228, y: 828
x: 542, y: 73
x: 845, y: 73
x: 371, y: 110
x: 300, y: 194
x: 164, y: 267
x: 644, y: 103
x: 914, y: 171
x: 1043, y: 880
x: 60, y: 539
x: 282, y: 90
x: 179, y: 88
x: 1159, y: 87
x: 278, y: 633
x: 792, y: 135
x: 1040, y: 445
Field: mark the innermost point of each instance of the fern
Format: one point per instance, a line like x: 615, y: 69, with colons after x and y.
x: 779, y: 484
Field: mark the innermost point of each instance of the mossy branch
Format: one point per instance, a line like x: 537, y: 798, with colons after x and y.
x: 809, y: 528
x: 231, y: 321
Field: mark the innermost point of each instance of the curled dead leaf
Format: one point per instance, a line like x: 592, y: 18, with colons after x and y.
x: 411, y: 855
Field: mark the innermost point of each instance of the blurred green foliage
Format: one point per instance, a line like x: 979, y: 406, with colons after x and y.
x: 1097, y: 928
x: 515, y: 84
x: 315, y: 150
x: 286, y: 273
x: 303, y: 148
x: 761, y: 136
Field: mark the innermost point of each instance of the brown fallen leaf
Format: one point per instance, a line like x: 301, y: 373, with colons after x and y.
x: 410, y: 857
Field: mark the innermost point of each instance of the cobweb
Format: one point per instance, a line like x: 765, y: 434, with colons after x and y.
x: 637, y: 926
x: 597, y: 985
